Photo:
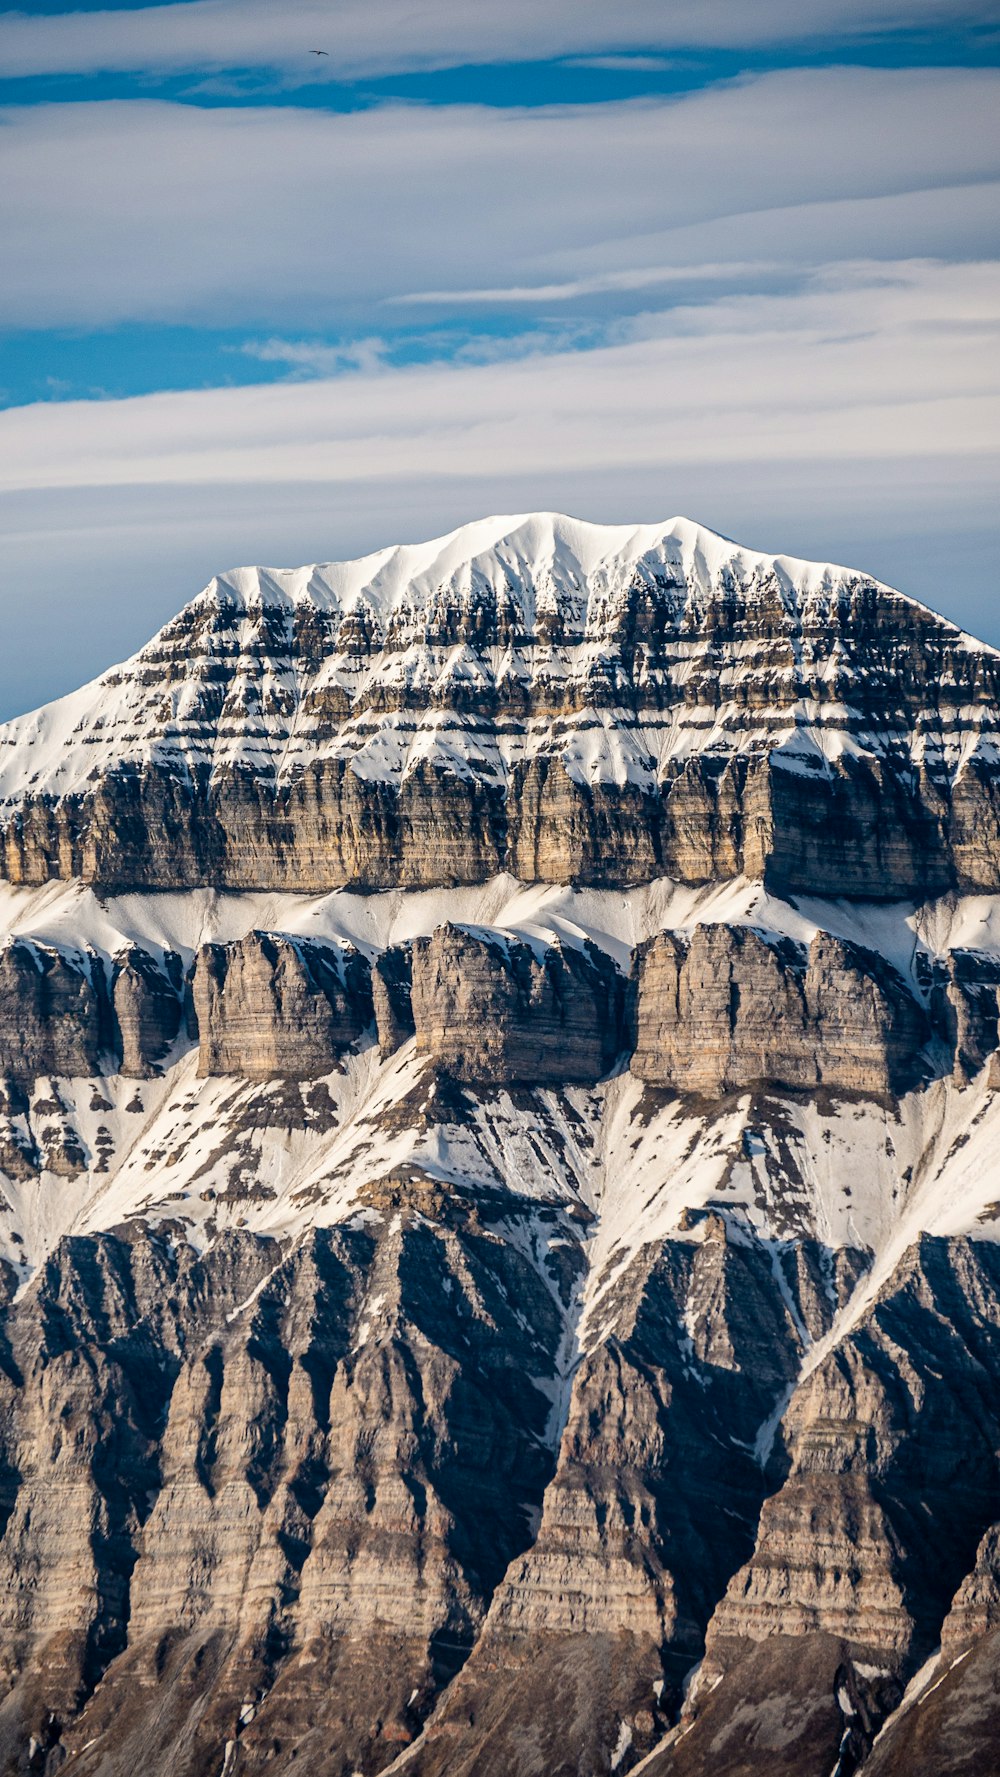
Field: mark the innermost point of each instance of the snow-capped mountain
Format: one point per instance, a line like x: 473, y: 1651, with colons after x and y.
x: 564, y: 701
x: 499, y: 1189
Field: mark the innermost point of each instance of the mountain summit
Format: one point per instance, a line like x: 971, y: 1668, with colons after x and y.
x: 567, y: 702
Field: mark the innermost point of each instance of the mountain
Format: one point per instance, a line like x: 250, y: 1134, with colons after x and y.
x: 499, y: 1195
x: 562, y: 701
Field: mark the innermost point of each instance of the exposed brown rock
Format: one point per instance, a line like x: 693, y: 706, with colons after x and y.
x: 271, y: 1007
x: 237, y: 1480
x: 488, y: 1008
x: 730, y: 1008
x: 53, y: 1012
x: 147, y: 999
x: 517, y: 667
x: 965, y: 1003
x: 655, y: 1493
x: 891, y: 1485
x: 953, y: 1727
x: 493, y: 1477
x: 392, y: 983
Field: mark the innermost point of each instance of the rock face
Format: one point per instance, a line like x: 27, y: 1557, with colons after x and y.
x: 966, y: 1001
x: 566, y: 702
x: 515, y: 1288
x: 489, y: 1009
x: 883, y: 1466
x: 148, y: 1005
x: 392, y: 995
x: 53, y: 1012
x: 651, y: 1506
x: 251, y: 1500
x: 271, y: 1007
x: 732, y: 1008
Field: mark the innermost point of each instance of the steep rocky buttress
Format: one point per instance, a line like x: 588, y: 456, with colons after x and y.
x: 499, y: 1181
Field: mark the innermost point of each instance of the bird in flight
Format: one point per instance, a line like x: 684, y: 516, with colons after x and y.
x: 319, y: 52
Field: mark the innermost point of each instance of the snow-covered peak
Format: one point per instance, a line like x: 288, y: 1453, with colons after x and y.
x: 517, y: 552
x: 618, y: 648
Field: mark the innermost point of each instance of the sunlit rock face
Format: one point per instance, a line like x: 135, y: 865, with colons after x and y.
x: 493, y: 1010
x: 731, y: 1008
x: 499, y: 1182
x: 269, y: 1007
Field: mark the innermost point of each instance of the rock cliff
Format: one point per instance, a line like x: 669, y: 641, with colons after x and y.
x: 148, y: 1005
x: 731, y: 1008
x: 489, y: 1009
x: 270, y: 1007
x: 54, y: 1015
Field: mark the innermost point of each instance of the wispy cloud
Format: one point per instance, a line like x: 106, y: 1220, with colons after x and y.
x: 316, y: 358
x: 626, y: 64
x: 298, y: 221
x: 361, y: 39
x: 857, y: 419
x: 868, y: 361
x: 601, y: 284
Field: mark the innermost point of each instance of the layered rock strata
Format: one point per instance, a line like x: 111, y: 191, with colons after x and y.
x: 488, y: 1008
x: 148, y: 1005
x: 535, y: 695
x: 656, y: 1493
x: 892, y: 1482
x: 730, y: 1007
x: 54, y: 1012
x: 965, y: 1000
x: 310, y: 1509
x: 392, y: 996
x: 270, y: 1007
x: 426, y: 1346
x: 269, y: 1498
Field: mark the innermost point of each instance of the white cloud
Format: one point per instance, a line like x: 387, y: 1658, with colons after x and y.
x: 295, y: 218
x: 625, y: 64
x: 362, y: 39
x: 610, y: 283
x: 868, y: 361
x: 315, y: 358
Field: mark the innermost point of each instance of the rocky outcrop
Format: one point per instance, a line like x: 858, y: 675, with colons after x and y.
x: 952, y: 1723
x: 965, y: 1004
x: 418, y: 1386
x: 392, y: 994
x: 892, y: 1473
x: 655, y: 1495
x: 269, y: 1006
x: 492, y: 1009
x: 333, y: 1497
x: 53, y: 1012
x: 148, y: 1004
x: 730, y: 1007
x: 260, y: 1501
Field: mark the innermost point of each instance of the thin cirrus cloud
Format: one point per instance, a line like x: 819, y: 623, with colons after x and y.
x: 160, y: 212
x: 870, y: 361
x: 600, y: 284
x: 364, y: 40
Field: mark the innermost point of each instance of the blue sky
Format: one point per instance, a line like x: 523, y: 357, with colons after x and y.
x: 674, y: 256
